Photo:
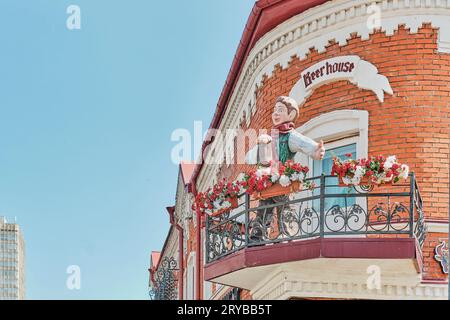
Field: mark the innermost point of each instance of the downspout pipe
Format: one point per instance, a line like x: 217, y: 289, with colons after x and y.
x: 181, y: 261
x: 198, y: 245
x: 171, y: 211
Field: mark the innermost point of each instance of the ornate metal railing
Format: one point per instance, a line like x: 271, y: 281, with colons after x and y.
x: 164, y: 286
x: 328, y: 210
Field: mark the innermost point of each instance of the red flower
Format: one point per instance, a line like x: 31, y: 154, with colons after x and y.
x: 389, y: 174
x: 260, y: 186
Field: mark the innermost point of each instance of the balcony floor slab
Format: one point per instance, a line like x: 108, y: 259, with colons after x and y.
x: 321, y: 259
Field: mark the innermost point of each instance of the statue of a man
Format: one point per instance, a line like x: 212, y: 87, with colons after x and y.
x: 286, y: 141
x: 282, y: 145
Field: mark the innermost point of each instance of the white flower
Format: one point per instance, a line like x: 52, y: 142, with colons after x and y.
x: 285, y: 181
x: 262, y: 172
x: 216, y: 204
x: 404, y: 171
x: 346, y: 180
x: 226, y: 204
x: 295, y: 177
x: 359, y: 172
x: 355, y: 180
x: 389, y: 162
x: 382, y: 178
x: 258, y: 174
x: 275, y: 177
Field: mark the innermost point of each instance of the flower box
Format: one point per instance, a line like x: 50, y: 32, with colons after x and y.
x: 277, y: 180
x: 371, y: 172
x: 234, y: 205
x: 277, y: 190
x: 365, y: 181
x: 222, y: 197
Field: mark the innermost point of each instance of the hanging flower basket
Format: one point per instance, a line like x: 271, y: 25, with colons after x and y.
x: 366, y: 182
x: 277, y: 190
x: 221, y: 198
x: 287, y: 178
x: 363, y: 182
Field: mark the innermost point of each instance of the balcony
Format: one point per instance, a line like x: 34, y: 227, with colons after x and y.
x: 329, y: 234
x: 164, y: 282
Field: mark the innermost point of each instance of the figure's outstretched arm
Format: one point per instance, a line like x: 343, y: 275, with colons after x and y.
x: 301, y: 143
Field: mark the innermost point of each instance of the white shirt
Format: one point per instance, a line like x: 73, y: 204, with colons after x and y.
x: 297, y: 143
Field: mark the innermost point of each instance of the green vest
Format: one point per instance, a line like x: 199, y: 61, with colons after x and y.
x: 284, y: 153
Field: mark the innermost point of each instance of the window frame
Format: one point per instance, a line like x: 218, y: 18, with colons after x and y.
x: 337, y: 128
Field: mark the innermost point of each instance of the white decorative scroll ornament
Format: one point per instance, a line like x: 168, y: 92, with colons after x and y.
x: 361, y: 73
x: 441, y: 255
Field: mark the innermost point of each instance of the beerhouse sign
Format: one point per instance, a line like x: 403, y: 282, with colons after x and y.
x: 361, y: 73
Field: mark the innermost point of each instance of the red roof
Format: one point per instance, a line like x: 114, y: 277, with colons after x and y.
x: 265, y: 15
x: 154, y: 259
x: 187, y: 169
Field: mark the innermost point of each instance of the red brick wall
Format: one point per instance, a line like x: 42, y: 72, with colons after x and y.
x: 413, y: 123
x: 245, y: 295
x: 432, y: 268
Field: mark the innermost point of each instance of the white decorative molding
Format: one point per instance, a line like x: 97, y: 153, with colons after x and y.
x: 335, y: 290
x: 339, y: 124
x: 171, y: 248
x: 179, y: 198
x: 183, y: 202
x: 336, y: 129
x: 281, y: 285
x: 441, y: 255
x: 436, y: 227
x: 220, y: 291
x: 444, y: 40
x: 314, y: 29
x: 361, y: 73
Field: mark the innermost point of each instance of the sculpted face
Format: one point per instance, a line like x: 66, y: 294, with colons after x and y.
x: 281, y: 114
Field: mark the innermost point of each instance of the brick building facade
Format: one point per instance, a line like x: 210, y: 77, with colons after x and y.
x: 411, y: 48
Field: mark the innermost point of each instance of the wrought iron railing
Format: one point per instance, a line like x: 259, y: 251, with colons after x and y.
x: 420, y: 229
x: 328, y: 210
x: 164, y: 285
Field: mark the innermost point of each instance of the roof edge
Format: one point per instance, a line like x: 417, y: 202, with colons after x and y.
x: 249, y: 37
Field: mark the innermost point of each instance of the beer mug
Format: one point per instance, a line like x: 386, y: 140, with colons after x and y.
x: 265, y: 153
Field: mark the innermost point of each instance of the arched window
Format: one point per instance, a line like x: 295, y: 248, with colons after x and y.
x: 343, y: 132
x: 339, y: 125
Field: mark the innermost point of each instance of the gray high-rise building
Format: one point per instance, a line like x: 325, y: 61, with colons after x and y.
x: 12, y: 261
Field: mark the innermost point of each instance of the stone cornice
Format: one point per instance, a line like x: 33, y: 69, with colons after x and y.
x: 279, y: 286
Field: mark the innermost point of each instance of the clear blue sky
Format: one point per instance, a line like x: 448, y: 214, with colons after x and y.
x: 85, y: 124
